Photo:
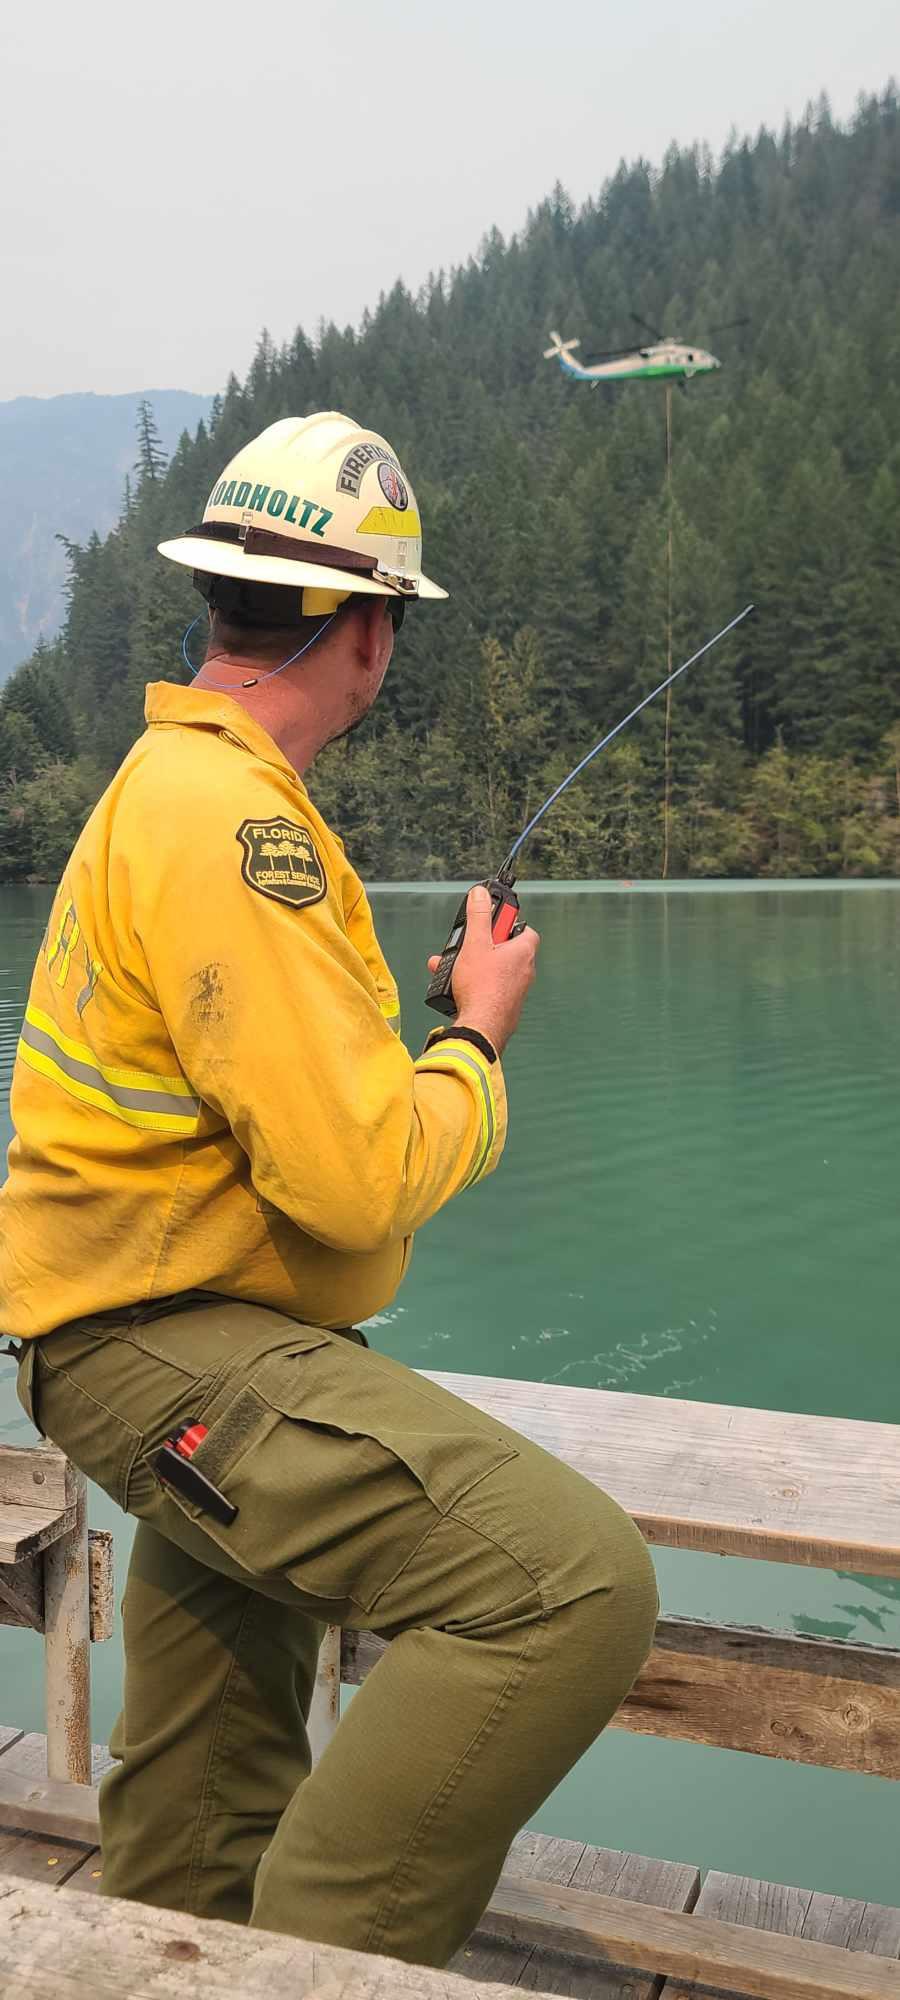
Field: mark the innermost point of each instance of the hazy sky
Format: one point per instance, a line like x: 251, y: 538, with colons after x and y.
x: 175, y: 177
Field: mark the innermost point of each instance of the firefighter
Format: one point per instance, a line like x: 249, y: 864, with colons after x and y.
x: 222, y: 1154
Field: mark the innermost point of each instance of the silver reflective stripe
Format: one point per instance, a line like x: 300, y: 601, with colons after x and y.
x: 169, y: 1102
x: 460, y: 1055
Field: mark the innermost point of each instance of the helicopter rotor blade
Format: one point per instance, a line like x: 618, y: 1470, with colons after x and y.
x: 645, y: 323
x: 725, y: 325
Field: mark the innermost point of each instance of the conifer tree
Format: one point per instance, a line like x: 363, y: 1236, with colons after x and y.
x: 150, y: 464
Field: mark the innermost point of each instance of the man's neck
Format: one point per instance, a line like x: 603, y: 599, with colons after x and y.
x: 281, y: 704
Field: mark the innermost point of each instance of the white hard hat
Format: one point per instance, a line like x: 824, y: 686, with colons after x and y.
x: 315, y: 503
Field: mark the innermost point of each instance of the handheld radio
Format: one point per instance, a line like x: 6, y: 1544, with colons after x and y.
x: 505, y: 923
x: 505, y: 912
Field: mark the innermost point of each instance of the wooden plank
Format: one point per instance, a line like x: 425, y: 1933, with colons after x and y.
x: 818, y: 1490
x: 532, y: 1855
x: 670, y: 1885
x: 22, y: 1588
x: 25, y: 1530
x: 22, y: 1593
x: 70, y: 1946
x: 101, y: 1561
x: 38, y: 1859
x: 810, y: 1701
x: 760, y: 1964
x: 33, y: 1476
x: 48, y: 1805
x: 88, y: 1876
x: 59, y: 1948
x: 28, y: 1758
x: 798, y: 1913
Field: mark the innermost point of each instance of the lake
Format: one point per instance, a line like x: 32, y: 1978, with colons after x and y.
x: 698, y: 1199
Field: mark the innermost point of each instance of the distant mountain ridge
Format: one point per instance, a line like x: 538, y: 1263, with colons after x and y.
x: 64, y: 462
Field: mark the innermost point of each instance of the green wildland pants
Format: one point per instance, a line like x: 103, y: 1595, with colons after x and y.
x: 519, y: 1601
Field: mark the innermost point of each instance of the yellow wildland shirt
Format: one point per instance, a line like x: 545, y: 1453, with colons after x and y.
x: 210, y: 1091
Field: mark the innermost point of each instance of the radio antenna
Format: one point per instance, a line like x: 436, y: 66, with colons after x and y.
x: 505, y: 873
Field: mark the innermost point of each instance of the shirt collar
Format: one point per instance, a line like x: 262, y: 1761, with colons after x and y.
x: 205, y: 708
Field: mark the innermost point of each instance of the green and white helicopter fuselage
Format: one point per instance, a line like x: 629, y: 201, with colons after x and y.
x: 664, y: 358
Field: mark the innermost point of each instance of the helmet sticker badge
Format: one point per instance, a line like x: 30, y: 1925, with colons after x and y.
x: 392, y: 486
x: 355, y: 463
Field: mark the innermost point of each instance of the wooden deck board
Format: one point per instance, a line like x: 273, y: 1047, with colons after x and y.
x: 799, y: 1913
x: 694, y: 1950
x: 822, y: 1491
x: 24, y: 1530
x: 70, y: 1946
x: 569, y: 1863
x: 28, y: 1758
x: 86, y: 1878
x: 38, y: 1859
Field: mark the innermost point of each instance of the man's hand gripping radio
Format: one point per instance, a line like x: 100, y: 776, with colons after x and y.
x: 505, y: 923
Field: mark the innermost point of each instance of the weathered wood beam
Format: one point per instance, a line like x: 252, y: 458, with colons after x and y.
x: 762, y: 1965
x: 22, y: 1588
x: 809, y: 1701
x: 22, y: 1593
x: 761, y: 1483
x: 69, y: 1946
x: 49, y: 1805
x: 61, y: 1947
x: 24, y: 1531
x: 799, y: 1913
x: 668, y: 1885
x: 32, y: 1476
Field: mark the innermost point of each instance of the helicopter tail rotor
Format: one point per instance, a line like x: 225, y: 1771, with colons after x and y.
x: 559, y: 346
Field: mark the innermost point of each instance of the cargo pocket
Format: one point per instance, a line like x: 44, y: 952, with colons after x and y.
x: 339, y: 1463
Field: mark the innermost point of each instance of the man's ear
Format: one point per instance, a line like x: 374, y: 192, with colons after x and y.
x: 372, y: 620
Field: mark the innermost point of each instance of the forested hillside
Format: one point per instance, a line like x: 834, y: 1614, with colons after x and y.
x: 545, y: 513
x: 65, y: 460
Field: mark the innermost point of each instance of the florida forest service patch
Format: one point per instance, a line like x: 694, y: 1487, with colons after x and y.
x: 280, y: 860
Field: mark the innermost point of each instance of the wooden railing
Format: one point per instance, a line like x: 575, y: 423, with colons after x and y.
x: 810, y: 1491
x: 56, y: 1578
x: 814, y: 1491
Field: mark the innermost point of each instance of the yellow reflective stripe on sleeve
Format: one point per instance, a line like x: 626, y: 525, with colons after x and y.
x: 391, y: 1012
x: 468, y: 1061
x: 136, y: 1097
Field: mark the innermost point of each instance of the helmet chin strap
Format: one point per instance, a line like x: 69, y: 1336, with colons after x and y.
x: 258, y: 680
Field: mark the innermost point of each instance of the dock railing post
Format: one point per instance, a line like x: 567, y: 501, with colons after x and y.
x: 325, y: 1711
x: 67, y: 1644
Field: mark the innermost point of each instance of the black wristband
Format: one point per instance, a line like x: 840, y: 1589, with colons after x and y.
x: 478, y: 1041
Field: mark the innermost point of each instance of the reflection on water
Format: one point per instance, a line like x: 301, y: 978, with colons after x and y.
x: 698, y: 1199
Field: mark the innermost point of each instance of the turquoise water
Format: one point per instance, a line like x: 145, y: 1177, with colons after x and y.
x: 699, y: 1199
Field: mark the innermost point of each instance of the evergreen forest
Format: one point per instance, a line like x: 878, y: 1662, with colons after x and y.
x: 572, y: 560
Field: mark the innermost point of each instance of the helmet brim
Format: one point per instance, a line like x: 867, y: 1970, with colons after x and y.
x: 224, y: 559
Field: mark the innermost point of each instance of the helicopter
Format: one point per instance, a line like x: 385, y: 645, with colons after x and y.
x: 666, y: 357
